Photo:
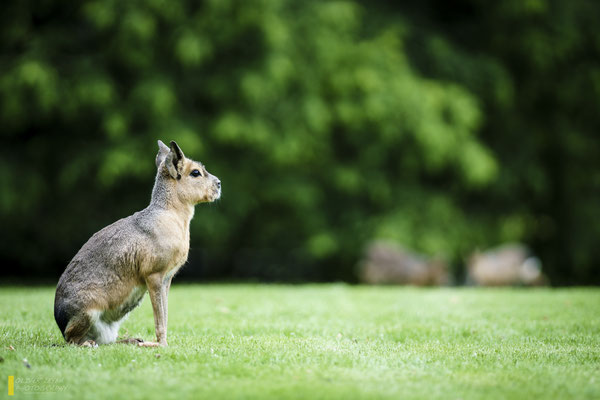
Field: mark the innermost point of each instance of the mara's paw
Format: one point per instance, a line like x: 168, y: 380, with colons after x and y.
x: 152, y: 344
x: 89, y: 343
x: 131, y: 341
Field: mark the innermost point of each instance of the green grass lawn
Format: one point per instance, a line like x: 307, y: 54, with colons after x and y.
x: 318, y: 341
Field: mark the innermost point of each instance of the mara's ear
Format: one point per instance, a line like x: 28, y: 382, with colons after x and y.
x: 163, y: 150
x: 174, y: 161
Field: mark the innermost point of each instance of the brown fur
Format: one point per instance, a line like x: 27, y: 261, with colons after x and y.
x: 108, y: 277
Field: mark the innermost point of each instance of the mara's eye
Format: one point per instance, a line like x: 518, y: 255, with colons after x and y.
x: 195, y: 173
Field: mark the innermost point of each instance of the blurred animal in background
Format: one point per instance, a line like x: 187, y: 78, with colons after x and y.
x: 388, y: 263
x: 507, y: 265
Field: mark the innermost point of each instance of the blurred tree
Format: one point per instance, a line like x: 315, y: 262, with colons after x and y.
x: 322, y: 131
x: 535, y: 67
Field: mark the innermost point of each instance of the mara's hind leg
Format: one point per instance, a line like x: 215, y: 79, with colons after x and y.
x: 78, y: 327
x: 91, y: 328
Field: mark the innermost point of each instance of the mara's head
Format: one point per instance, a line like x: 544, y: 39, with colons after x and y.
x: 192, y: 182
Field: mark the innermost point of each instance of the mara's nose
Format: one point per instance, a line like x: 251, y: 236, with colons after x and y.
x: 218, y: 183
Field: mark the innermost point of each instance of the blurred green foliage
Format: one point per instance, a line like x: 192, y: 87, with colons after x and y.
x: 330, y: 123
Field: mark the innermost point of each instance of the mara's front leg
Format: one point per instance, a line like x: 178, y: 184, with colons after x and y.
x: 167, y: 286
x: 158, y: 296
